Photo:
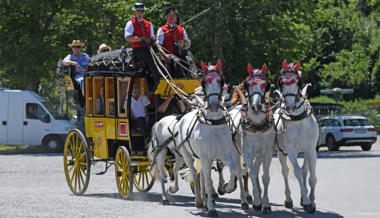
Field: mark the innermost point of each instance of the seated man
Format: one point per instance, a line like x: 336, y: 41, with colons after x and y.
x: 138, y: 110
x: 32, y: 111
x: 171, y: 106
x: 100, y: 102
x: 173, y: 39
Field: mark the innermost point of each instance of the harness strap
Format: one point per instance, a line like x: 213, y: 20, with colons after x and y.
x: 191, y: 128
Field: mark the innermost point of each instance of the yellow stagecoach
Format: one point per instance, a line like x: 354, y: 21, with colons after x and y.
x: 108, y: 135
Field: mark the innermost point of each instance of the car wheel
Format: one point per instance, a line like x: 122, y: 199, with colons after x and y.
x: 331, y: 144
x: 366, y: 147
x: 52, y: 143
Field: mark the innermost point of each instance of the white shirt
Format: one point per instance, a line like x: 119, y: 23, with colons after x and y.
x: 138, y: 106
x: 160, y: 35
x: 129, y: 30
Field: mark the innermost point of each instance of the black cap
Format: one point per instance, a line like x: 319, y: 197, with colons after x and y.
x: 170, y: 10
x: 139, y: 6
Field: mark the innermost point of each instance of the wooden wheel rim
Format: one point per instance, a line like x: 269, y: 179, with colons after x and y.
x: 76, y: 162
x: 123, y: 172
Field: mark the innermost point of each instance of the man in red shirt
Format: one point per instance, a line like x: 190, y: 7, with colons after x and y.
x: 173, y: 39
x: 140, y: 33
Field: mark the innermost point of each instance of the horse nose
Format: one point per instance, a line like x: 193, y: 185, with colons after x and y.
x: 257, y: 107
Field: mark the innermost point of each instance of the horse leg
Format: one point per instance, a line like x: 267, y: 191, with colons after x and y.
x: 161, y: 158
x: 305, y: 201
x: 266, y: 180
x: 177, y: 165
x: 220, y: 166
x: 190, y: 164
x: 206, y: 169
x: 203, y: 188
x: 312, y: 162
x: 245, y: 178
x: 256, y: 203
x: 285, y: 174
x: 304, y: 172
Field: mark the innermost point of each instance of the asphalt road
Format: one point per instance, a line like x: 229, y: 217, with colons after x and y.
x: 35, y: 186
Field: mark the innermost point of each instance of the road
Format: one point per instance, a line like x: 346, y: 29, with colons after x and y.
x: 35, y: 186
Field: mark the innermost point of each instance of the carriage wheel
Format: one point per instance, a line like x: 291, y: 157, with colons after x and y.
x: 143, y: 178
x: 123, y: 172
x: 192, y: 184
x: 77, y: 162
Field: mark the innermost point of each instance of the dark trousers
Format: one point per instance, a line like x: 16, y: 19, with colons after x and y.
x: 143, y: 55
x: 140, y: 123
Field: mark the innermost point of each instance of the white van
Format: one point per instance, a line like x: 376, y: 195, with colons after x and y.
x: 24, y: 119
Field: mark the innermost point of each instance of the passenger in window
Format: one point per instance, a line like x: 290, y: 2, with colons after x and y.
x: 172, y: 105
x: 100, y: 102
x: 139, y: 103
x: 32, y: 111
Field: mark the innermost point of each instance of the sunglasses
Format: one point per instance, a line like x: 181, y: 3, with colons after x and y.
x: 77, y: 46
x: 105, y: 50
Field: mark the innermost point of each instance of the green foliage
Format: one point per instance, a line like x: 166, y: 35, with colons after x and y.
x: 337, y: 40
x: 322, y: 99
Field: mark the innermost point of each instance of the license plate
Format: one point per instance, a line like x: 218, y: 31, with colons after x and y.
x: 360, y: 131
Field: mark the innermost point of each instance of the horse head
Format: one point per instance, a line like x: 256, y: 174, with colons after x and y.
x: 213, y: 83
x: 256, y: 86
x: 289, y: 83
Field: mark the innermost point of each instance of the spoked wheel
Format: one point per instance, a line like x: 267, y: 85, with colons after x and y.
x: 143, y: 178
x: 77, y: 162
x: 123, y: 172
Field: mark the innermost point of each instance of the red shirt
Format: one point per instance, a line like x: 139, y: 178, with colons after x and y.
x: 140, y: 29
x: 171, y: 36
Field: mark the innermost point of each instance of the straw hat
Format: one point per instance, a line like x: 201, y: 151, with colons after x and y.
x: 76, y: 43
x: 104, y: 48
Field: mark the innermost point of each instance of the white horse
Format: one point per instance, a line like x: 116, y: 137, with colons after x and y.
x: 255, y: 132
x: 206, y: 134
x: 297, y: 132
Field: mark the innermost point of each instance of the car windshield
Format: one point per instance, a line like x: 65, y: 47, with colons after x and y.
x: 356, y: 122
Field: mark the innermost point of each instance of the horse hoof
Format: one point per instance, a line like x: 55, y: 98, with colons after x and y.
x: 199, y: 204
x: 165, y: 202
x: 289, y: 204
x: 173, y: 190
x: 244, y: 206
x: 215, y: 196
x: 267, y: 210
x: 301, y: 202
x: 212, y: 213
x: 309, y: 208
x: 221, y: 192
x: 249, y: 199
x: 227, y: 191
x: 258, y: 208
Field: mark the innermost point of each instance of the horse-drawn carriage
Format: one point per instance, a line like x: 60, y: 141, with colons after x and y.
x: 108, y: 134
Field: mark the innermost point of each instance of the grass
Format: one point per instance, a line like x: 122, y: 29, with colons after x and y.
x: 21, y: 149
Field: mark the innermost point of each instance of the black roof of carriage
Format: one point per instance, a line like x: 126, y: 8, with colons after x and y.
x: 116, y: 63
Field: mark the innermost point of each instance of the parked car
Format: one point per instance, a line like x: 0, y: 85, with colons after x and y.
x: 336, y: 131
x: 25, y: 119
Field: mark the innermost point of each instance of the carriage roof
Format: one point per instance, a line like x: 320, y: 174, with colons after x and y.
x: 116, y: 63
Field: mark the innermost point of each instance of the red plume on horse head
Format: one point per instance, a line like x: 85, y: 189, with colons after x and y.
x: 249, y: 69
x: 284, y: 65
x: 297, y: 67
x: 219, y: 65
x: 264, y: 68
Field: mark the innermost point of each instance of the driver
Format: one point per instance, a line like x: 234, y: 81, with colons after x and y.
x: 173, y: 39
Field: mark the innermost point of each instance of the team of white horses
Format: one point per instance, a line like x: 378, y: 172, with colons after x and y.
x: 247, y: 133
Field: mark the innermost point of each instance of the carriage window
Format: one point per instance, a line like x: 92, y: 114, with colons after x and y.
x: 110, y: 96
x: 89, y: 96
x: 123, y: 87
x: 99, y: 93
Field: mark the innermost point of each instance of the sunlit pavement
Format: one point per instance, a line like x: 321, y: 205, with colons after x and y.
x: 35, y: 186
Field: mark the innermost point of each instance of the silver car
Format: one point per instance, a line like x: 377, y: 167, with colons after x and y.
x: 336, y: 131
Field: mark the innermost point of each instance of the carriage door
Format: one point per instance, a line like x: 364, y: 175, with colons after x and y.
x: 123, y: 89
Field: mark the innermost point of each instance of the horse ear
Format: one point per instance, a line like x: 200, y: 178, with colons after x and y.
x: 249, y: 69
x: 204, y: 67
x: 284, y: 64
x: 297, y: 67
x: 219, y: 65
x: 264, y: 68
